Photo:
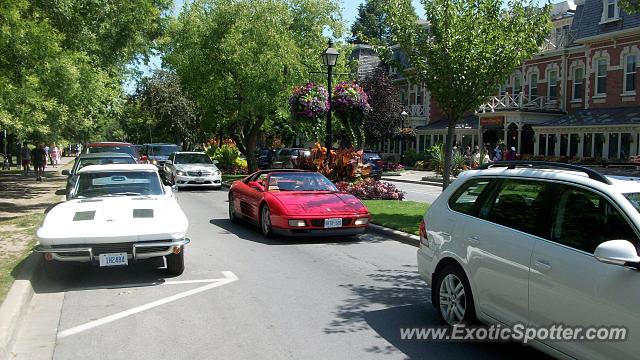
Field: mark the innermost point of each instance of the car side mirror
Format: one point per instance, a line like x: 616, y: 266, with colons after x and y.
x: 168, y: 162
x: 256, y: 185
x: 617, y: 252
x: 66, y: 172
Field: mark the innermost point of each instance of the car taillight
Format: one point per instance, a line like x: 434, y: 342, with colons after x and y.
x: 380, y: 163
x: 423, y: 234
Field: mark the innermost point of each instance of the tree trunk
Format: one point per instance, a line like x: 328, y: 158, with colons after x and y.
x: 250, y: 145
x: 448, y: 154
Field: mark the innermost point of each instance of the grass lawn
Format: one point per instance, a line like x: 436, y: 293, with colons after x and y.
x: 229, y: 178
x: 400, y: 215
x: 18, y: 237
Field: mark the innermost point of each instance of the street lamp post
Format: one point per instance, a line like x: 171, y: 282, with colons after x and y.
x: 329, y: 59
x: 404, y: 116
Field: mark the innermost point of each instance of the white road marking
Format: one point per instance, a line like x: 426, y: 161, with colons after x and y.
x: 136, y: 285
x: 229, y: 277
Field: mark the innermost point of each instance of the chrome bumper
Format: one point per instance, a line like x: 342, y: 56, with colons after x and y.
x: 85, y: 253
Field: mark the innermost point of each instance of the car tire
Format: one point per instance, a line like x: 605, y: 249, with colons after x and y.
x: 265, y: 221
x: 453, y: 299
x: 232, y: 211
x: 175, y: 263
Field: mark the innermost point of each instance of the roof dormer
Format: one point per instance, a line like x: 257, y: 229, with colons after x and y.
x: 610, y: 11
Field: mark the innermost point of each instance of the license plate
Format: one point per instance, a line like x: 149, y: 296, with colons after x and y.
x: 200, y: 180
x: 333, y: 223
x: 115, y: 259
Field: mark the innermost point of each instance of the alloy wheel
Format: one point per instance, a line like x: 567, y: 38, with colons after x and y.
x: 265, y: 221
x: 453, y: 302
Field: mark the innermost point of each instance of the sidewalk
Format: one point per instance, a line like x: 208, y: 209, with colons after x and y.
x: 422, y: 177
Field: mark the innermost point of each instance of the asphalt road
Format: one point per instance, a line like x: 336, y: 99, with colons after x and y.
x: 418, y: 192
x: 293, y: 299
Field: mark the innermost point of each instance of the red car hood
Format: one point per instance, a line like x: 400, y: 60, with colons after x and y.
x: 322, y: 203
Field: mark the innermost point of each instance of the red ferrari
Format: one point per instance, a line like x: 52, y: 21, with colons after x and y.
x: 296, y: 203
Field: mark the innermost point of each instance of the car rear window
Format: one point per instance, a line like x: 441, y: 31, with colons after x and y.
x: 465, y: 200
x: 116, y: 149
x: 372, y: 156
x: 634, y: 199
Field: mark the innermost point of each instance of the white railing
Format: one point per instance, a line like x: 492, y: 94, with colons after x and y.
x: 519, y: 102
x: 559, y: 41
x: 417, y: 110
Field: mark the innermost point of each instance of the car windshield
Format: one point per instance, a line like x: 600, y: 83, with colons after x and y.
x: 371, y: 156
x: 634, y: 199
x: 300, y: 182
x: 162, y: 150
x: 118, y: 183
x: 116, y: 149
x: 192, y: 159
x: 104, y: 161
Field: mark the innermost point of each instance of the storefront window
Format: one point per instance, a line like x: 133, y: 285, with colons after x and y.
x: 586, y: 145
x: 598, y: 145
x: 625, y: 146
x: 613, y: 146
x: 564, y: 144
x: 542, y: 146
x: 551, y: 145
x: 573, y: 147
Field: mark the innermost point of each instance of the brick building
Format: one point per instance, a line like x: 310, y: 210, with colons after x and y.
x: 575, y: 98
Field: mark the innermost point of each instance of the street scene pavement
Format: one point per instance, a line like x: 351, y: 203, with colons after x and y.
x: 244, y: 296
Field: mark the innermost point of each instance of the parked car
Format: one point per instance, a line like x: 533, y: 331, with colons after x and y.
x: 119, y: 147
x: 265, y: 156
x: 296, y: 203
x: 116, y: 214
x: 189, y: 168
x: 373, y: 158
x: 286, y: 158
x: 94, y: 159
x: 540, y: 244
x: 157, y: 154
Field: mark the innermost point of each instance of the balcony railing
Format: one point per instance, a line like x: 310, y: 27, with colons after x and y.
x: 520, y: 101
x: 417, y: 110
x: 559, y: 41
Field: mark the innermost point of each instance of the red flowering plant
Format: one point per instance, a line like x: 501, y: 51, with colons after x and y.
x: 371, y: 189
x: 350, y: 103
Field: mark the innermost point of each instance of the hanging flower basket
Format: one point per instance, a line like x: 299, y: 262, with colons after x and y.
x: 349, y: 97
x: 309, y: 102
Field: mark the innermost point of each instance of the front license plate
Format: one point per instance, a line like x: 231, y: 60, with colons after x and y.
x: 333, y: 223
x: 199, y: 180
x: 116, y: 259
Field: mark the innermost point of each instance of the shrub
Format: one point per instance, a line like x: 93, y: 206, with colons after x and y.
x: 411, y: 156
x: 421, y: 165
x: 392, y: 166
x: 339, y: 165
x: 370, y: 189
x: 228, y: 157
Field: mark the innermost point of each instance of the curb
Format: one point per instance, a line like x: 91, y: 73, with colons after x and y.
x: 16, y: 303
x: 226, y: 185
x: 419, y: 182
x: 396, y: 234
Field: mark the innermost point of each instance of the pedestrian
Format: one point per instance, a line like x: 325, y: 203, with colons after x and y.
x: 25, y: 155
x: 46, y: 151
x: 39, y: 157
x: 497, y: 154
x: 512, y: 154
x: 54, y: 155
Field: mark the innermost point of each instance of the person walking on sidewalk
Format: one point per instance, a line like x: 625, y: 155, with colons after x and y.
x: 39, y: 157
x: 54, y: 155
x: 25, y: 155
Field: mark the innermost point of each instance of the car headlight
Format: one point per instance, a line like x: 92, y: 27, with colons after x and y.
x: 217, y: 172
x: 361, y: 221
x: 154, y: 162
x: 179, y: 172
x: 297, y: 223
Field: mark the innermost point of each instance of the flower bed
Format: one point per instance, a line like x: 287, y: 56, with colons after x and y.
x: 370, y: 189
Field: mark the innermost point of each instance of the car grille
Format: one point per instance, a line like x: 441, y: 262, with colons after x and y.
x: 126, y: 247
x: 320, y: 222
x: 198, y: 173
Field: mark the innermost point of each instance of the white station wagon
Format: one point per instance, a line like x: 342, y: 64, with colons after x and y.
x: 116, y: 214
x: 538, y: 244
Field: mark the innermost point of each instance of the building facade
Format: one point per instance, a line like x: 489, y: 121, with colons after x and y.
x: 576, y: 98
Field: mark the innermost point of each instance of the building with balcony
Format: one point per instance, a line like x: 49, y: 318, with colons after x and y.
x: 575, y: 98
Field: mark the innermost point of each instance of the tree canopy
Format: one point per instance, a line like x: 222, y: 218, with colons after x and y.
x: 239, y: 59
x: 64, y: 62
x: 467, y: 49
x: 371, y: 24
x: 630, y: 6
x: 384, y: 119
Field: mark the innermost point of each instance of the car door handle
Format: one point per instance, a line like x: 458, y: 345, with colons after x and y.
x: 474, y: 239
x: 542, y: 265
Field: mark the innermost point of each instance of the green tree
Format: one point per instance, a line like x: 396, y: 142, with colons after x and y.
x: 175, y: 117
x: 630, y: 6
x: 239, y: 59
x: 371, y: 24
x: 470, y: 46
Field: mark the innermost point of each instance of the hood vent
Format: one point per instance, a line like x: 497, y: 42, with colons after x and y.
x: 84, y: 215
x: 142, y: 213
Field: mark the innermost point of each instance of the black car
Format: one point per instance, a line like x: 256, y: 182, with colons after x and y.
x: 157, y: 154
x: 101, y: 158
x: 265, y: 156
x: 373, y: 158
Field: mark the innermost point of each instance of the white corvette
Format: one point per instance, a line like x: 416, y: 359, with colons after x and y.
x: 116, y: 214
